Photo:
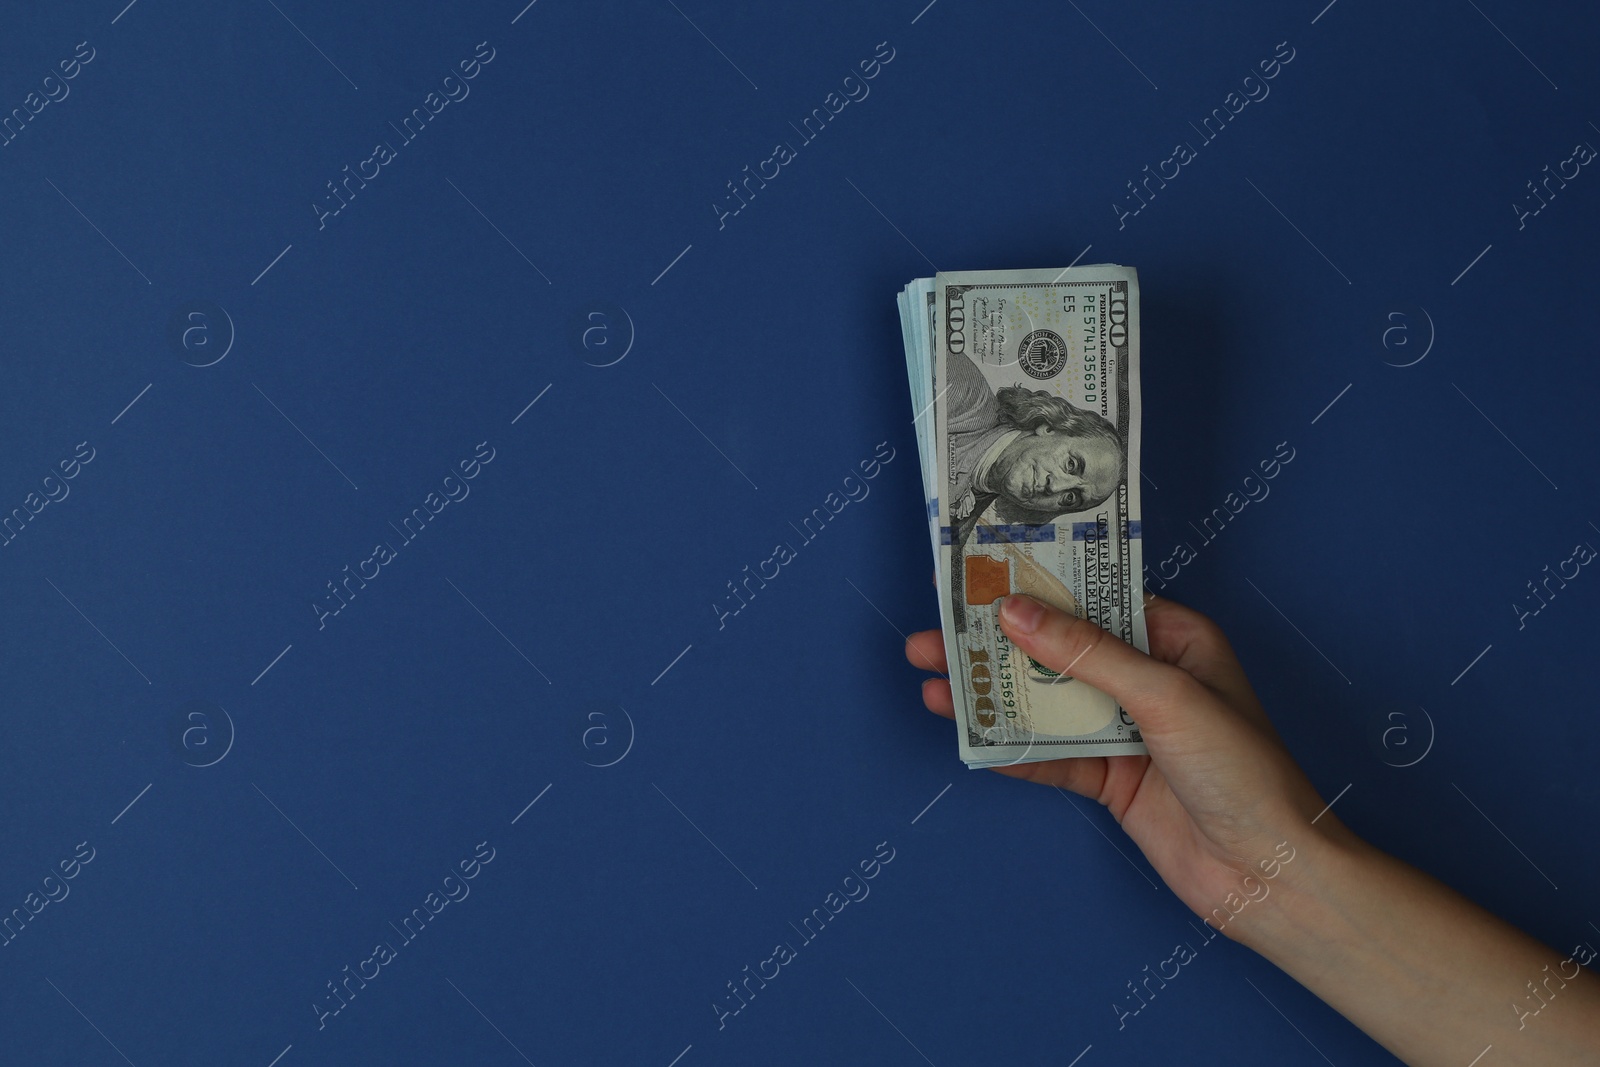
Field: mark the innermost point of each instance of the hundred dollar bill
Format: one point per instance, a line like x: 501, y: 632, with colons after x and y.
x: 1026, y: 387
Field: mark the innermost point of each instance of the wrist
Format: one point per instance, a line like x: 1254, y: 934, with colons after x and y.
x: 1309, y: 912
x: 1428, y: 974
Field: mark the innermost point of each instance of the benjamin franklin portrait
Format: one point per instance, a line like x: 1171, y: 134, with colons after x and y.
x: 1030, y: 455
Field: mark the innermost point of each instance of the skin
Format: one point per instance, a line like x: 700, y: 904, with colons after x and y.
x: 1425, y: 972
x: 1048, y: 471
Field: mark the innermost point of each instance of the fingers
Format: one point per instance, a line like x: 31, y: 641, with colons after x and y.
x: 926, y: 650
x: 1084, y: 776
x: 1142, y: 684
x: 1192, y: 678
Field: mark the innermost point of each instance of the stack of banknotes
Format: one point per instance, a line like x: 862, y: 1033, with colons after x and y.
x: 1025, y: 385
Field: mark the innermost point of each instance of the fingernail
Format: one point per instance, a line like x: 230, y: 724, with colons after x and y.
x: 1021, y: 614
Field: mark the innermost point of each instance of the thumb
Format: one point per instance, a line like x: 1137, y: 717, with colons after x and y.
x: 1148, y: 688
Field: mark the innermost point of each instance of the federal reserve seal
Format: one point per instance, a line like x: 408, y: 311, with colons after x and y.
x: 1041, y: 354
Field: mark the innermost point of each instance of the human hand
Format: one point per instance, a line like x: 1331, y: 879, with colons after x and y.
x: 1218, y: 792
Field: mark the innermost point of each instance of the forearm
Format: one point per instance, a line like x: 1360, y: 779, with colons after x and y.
x: 1426, y: 973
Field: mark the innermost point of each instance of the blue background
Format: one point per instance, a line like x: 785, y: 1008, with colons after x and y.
x: 560, y: 616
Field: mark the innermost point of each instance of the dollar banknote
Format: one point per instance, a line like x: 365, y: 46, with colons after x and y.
x: 1025, y: 385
